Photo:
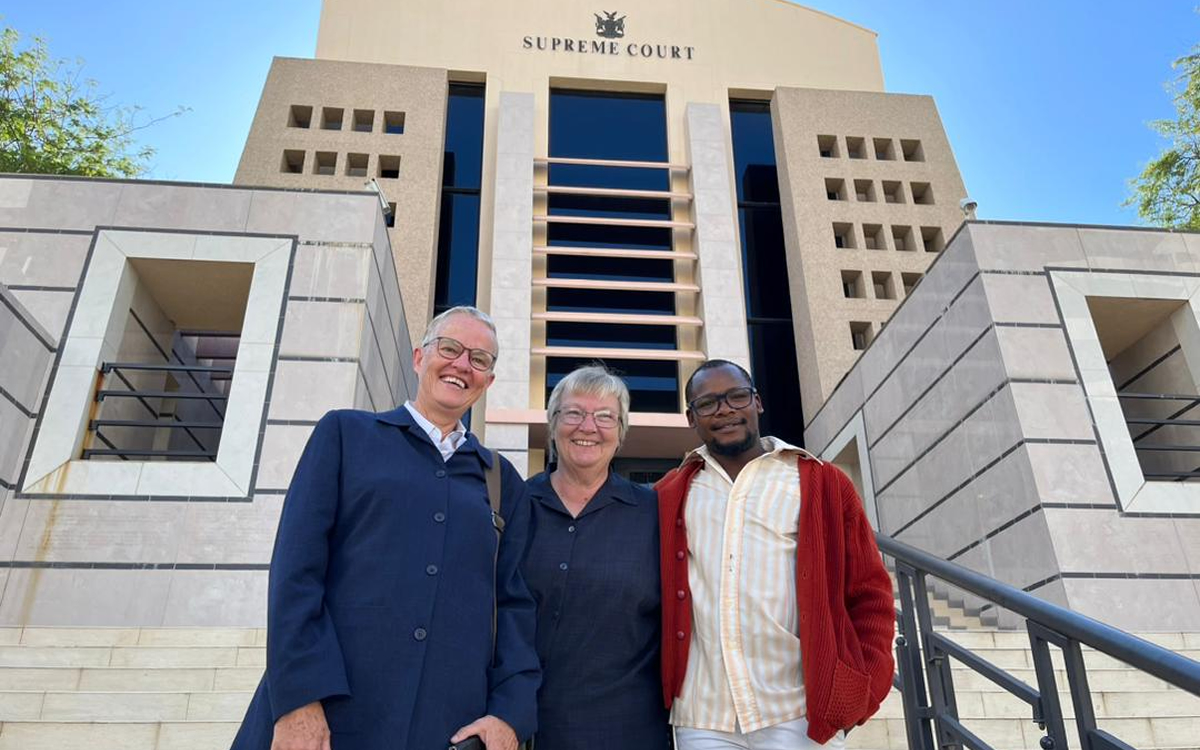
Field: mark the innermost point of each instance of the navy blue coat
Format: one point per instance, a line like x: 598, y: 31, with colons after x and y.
x: 380, y: 594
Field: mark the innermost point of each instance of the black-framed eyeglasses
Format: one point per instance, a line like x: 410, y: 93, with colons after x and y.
x: 452, y: 349
x: 602, y: 417
x: 737, y: 398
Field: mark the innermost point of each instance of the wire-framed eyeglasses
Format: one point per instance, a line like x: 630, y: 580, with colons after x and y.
x: 603, y: 418
x: 452, y: 349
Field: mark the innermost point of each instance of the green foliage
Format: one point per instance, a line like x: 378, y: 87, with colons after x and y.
x: 52, y: 121
x: 1167, y: 192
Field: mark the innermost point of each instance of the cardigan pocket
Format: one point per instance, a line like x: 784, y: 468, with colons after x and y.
x: 849, y: 696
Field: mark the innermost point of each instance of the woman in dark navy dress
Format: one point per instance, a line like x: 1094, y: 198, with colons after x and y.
x: 592, y: 566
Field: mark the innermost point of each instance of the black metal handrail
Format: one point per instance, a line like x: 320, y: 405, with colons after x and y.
x: 923, y: 657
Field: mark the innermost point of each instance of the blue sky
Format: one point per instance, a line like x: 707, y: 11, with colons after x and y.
x: 1045, y: 103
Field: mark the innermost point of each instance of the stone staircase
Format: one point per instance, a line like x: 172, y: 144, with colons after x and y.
x: 186, y: 689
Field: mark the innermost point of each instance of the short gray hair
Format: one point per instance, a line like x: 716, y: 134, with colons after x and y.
x: 439, y: 321
x: 591, y: 380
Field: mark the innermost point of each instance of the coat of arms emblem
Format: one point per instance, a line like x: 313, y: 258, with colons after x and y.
x: 609, y: 26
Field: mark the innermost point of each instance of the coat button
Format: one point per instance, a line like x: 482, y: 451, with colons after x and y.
x: 440, y: 517
x: 680, y: 594
x: 441, y: 473
x: 679, y: 555
x: 562, y: 566
x: 679, y: 522
x: 420, y: 634
x: 431, y: 570
x: 570, y: 529
x: 679, y: 636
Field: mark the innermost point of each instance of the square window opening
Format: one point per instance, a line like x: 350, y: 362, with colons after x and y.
x: 364, y: 120
x: 843, y: 235
x: 835, y: 189
x: 155, y: 407
x: 884, y: 286
x: 873, y: 237
x: 389, y: 167
x: 893, y: 191
x: 356, y: 165
x: 852, y: 286
x: 331, y: 118
x: 885, y: 149
x: 389, y: 218
x: 931, y: 237
x: 922, y: 193
x: 827, y: 146
x: 860, y: 335
x: 325, y: 163
x: 912, y: 149
x: 393, y: 123
x: 864, y: 191
x: 856, y: 148
x: 299, y: 116
x: 902, y: 239
x: 292, y: 162
x: 910, y: 281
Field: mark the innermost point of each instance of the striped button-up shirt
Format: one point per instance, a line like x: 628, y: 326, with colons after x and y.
x: 743, y: 671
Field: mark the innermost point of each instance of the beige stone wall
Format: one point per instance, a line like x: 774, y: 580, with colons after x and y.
x: 822, y: 313
x: 420, y: 93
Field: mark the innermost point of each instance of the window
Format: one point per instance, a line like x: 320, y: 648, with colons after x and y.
x: 910, y: 281
x: 931, y: 237
x: 293, y: 162
x: 893, y: 191
x: 458, y: 233
x: 843, y: 235
x: 884, y: 149
x: 852, y: 286
x: 769, y: 325
x: 299, y: 116
x: 393, y: 123
x: 864, y: 191
x: 364, y: 120
x: 860, y: 335
x: 390, y: 218
x: 922, y: 193
x: 902, y: 239
x: 873, y: 237
x: 835, y: 189
x: 884, y: 287
x: 912, y: 150
x: 827, y: 146
x: 389, y: 167
x: 331, y: 118
x: 325, y: 163
x: 856, y: 148
x: 356, y: 165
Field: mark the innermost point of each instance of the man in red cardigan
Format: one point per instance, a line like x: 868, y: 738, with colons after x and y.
x: 777, y: 610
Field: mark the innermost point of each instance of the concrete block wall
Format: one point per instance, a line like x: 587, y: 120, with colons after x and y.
x: 980, y: 439
x: 110, y: 560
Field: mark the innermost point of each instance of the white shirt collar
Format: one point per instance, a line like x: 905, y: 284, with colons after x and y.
x: 447, y: 445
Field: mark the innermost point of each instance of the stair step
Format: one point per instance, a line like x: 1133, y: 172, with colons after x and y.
x: 125, y: 679
x: 113, y: 735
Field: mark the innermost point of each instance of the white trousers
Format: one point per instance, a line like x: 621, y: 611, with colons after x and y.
x: 790, y: 735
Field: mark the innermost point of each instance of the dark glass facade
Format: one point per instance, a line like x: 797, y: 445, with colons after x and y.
x: 625, y: 127
x: 462, y: 172
x: 764, y: 264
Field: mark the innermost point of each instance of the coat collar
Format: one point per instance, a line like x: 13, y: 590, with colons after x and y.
x: 400, y: 417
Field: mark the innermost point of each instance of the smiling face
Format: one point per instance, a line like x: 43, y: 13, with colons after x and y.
x: 447, y: 388
x: 728, y: 431
x: 585, y: 445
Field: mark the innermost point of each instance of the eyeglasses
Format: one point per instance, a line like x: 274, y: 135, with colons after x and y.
x: 603, y: 418
x: 448, y: 348
x: 737, y: 398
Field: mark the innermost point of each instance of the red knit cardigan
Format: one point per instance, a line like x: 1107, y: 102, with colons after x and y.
x: 843, y: 593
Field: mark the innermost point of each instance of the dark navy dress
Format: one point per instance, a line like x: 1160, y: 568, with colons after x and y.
x: 596, y: 582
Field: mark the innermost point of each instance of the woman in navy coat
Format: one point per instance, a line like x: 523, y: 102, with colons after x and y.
x: 592, y: 566
x: 380, y: 602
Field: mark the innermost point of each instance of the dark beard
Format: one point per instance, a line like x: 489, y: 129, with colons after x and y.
x: 733, y: 450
